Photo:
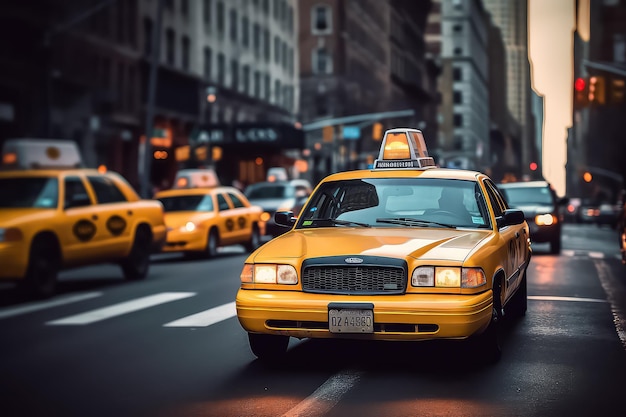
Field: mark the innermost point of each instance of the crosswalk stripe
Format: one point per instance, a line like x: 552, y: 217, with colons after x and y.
x: 207, y: 317
x: 121, y: 308
x: 36, y: 306
x: 555, y: 298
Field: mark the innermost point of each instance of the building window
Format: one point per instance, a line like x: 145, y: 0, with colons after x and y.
x: 277, y: 91
x: 233, y: 25
x: 457, y: 97
x: 458, y: 51
x: 169, y: 46
x: 290, y: 20
x: 277, y: 49
x: 147, y: 36
x: 220, y: 18
x: 266, y: 6
x: 234, y: 71
x: 206, y: 12
x: 207, y: 63
x: 184, y: 7
x: 276, y: 8
x: 321, y: 20
x: 457, y: 74
x: 220, y: 69
x: 322, y: 63
x: 256, y: 39
x: 457, y: 28
x: 458, y: 120
x: 169, y: 5
x: 267, y: 87
x: 266, y: 45
x: 321, y: 109
x: 186, y: 47
x: 284, y: 55
x: 245, y: 75
x: 257, y: 84
x: 245, y: 31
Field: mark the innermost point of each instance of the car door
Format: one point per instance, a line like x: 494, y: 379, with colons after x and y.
x: 81, y: 229
x: 514, y: 237
x: 117, y: 214
x: 243, y: 217
x: 227, y: 223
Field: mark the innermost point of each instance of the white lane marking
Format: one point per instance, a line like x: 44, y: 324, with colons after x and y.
x: 611, y: 288
x: 326, y: 396
x: 121, y: 308
x: 207, y: 317
x: 567, y: 252
x: 36, y: 306
x: 596, y: 255
x: 554, y: 298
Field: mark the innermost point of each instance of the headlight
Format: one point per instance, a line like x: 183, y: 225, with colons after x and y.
x: 269, y: 274
x: 545, y: 219
x: 265, y: 216
x: 447, y: 277
x: 189, y: 227
x: 11, y: 234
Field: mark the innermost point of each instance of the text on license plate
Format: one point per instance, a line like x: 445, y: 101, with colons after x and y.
x: 350, y: 320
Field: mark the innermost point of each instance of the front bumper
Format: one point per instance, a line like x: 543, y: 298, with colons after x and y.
x: 14, y: 260
x: 178, y: 241
x: 540, y: 234
x: 405, y: 317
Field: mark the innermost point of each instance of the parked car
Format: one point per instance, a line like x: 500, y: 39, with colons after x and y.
x: 55, y: 215
x: 200, y: 220
x: 403, y: 251
x: 542, y: 208
x: 600, y: 214
x: 273, y: 196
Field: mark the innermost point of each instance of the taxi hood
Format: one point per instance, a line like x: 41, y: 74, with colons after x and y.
x: 435, y: 244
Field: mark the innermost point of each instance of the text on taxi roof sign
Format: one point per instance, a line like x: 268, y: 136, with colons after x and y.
x: 403, y: 148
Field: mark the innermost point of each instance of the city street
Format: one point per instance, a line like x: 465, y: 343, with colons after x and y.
x: 171, y: 346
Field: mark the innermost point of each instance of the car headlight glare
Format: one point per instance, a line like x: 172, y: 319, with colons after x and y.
x: 265, y: 216
x: 11, y: 234
x: 274, y: 274
x: 447, y: 277
x: 545, y: 219
x: 189, y: 227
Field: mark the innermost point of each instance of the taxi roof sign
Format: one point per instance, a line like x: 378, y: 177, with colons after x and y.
x: 403, y: 148
x: 196, y: 178
x: 29, y: 153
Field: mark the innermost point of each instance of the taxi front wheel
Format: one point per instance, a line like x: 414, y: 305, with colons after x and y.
x: 212, y: 242
x: 268, y: 347
x: 255, y: 239
x: 136, y: 265
x: 43, y: 268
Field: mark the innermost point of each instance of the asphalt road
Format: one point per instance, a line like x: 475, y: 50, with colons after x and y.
x: 171, y: 346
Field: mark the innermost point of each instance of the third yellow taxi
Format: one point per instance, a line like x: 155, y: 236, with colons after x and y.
x: 202, y: 218
x: 402, y: 251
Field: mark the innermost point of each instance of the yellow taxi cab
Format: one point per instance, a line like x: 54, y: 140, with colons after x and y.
x: 200, y: 219
x: 56, y: 215
x: 402, y: 251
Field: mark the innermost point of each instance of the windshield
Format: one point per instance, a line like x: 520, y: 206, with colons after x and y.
x: 38, y: 192
x: 187, y: 203
x: 260, y: 191
x: 519, y: 196
x: 396, y: 202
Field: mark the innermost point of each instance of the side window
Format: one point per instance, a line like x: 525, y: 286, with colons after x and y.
x: 106, y: 190
x: 222, y: 204
x: 496, y: 200
x: 75, y: 193
x: 236, y: 200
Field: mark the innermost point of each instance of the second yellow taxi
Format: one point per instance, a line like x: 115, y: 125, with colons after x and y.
x: 201, y: 219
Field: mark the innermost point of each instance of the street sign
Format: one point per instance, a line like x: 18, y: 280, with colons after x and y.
x: 351, y: 132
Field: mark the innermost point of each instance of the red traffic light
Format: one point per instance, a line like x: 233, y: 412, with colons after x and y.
x: 580, y: 84
x: 533, y: 166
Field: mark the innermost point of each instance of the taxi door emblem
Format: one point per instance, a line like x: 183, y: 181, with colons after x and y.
x: 84, y: 230
x: 116, y: 225
x: 241, y: 221
x: 353, y: 260
x: 230, y: 224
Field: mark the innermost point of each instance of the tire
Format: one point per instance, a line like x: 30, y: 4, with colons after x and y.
x: 255, y: 239
x: 135, y: 267
x: 486, y: 346
x: 268, y: 347
x: 43, y: 267
x: 212, y: 243
x: 518, y: 305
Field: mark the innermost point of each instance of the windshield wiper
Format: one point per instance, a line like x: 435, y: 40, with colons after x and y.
x: 343, y: 222
x: 407, y: 221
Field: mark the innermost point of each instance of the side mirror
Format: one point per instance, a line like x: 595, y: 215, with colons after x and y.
x: 511, y: 217
x: 285, y: 218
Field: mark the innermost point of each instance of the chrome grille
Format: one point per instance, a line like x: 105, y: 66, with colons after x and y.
x: 360, y: 279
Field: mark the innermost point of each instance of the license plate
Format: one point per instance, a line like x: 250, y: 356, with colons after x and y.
x: 350, y: 320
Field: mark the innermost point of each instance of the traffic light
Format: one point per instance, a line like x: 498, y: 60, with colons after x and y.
x: 596, y: 90
x: 377, y: 131
x: 533, y: 166
x: 581, y: 93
